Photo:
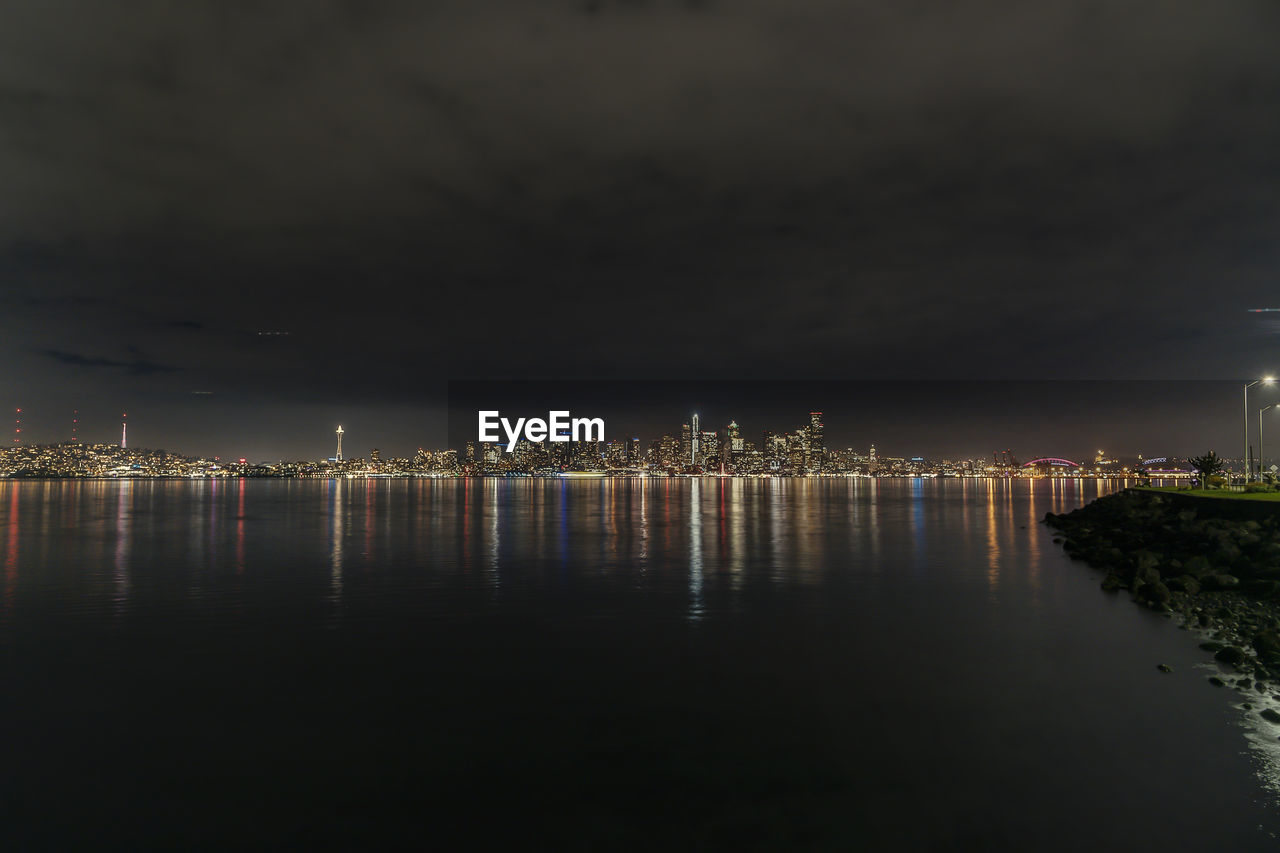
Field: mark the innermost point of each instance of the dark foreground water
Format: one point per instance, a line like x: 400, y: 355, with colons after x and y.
x: 596, y: 664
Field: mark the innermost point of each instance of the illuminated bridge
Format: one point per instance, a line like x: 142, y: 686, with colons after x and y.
x: 1050, y: 461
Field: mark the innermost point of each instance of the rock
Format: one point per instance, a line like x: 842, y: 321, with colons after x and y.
x: 1112, y: 583
x: 1155, y: 593
x: 1216, y: 681
x: 1197, y: 566
x: 1164, y: 667
x: 1262, y: 588
x: 1267, y: 644
x: 1229, y: 654
x: 1211, y: 646
x: 1183, y: 583
x: 1271, y: 715
x: 1220, y: 582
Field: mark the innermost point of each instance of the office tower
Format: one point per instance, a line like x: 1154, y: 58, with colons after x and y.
x: 671, y: 450
x: 375, y: 455
x: 633, y: 452
x: 686, y: 442
x: 872, y: 464
x: 695, y: 454
x: 734, y: 435
x: 616, y: 454
x: 816, y: 441
x: 709, y: 447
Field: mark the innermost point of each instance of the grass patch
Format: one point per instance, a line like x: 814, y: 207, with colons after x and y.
x: 1220, y: 494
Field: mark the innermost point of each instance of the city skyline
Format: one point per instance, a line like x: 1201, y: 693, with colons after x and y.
x: 277, y: 243
x: 692, y: 445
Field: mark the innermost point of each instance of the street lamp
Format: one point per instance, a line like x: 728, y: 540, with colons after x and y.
x: 1260, y: 411
x: 1267, y: 380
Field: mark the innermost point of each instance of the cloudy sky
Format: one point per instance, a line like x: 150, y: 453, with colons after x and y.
x: 941, y: 189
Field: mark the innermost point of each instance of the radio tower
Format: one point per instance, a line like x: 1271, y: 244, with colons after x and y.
x: 339, y: 434
x: 124, y: 429
x: 75, y: 420
x: 17, y: 427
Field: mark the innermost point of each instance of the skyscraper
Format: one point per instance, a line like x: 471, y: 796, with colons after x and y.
x: 817, y: 444
x: 734, y: 435
x: 695, y: 454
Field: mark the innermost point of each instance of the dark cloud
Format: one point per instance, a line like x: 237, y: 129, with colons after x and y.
x: 636, y: 189
x: 137, y: 367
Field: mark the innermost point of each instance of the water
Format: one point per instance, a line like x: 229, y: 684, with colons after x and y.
x: 795, y: 664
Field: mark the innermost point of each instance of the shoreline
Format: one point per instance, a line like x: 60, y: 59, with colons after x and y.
x: 1216, y: 573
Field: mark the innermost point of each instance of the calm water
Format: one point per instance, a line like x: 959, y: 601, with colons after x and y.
x: 787, y: 664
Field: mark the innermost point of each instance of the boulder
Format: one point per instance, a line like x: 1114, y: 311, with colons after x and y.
x: 1197, y: 566
x: 1267, y: 644
x: 1220, y: 581
x: 1154, y: 593
x: 1229, y: 654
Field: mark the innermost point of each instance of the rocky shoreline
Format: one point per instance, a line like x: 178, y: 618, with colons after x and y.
x: 1219, y: 575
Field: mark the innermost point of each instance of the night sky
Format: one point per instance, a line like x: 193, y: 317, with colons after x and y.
x: 797, y: 189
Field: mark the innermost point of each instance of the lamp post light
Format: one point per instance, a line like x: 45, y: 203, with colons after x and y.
x: 1267, y: 380
x: 1260, y: 445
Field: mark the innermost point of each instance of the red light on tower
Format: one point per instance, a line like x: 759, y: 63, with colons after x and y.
x: 17, y: 426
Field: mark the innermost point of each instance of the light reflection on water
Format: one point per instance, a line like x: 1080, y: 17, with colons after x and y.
x: 893, y: 635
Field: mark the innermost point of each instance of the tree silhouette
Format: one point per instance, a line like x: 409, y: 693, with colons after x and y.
x: 1207, y: 465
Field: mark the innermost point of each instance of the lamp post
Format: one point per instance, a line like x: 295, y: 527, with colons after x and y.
x: 1265, y: 381
x: 1260, y: 411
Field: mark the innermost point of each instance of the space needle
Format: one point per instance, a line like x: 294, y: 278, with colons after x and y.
x: 339, y: 431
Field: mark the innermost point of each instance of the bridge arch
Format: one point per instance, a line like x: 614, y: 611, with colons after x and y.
x: 1051, y: 460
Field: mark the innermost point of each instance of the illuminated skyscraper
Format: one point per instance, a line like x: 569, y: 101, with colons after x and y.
x: 696, y: 445
x: 339, y: 432
x: 124, y: 429
x: 734, y: 434
x: 817, y: 445
x: 709, y: 448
